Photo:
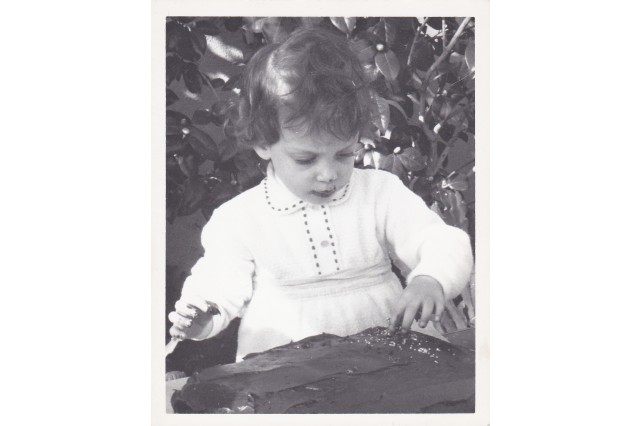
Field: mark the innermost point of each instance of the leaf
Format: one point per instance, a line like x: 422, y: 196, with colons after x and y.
x: 192, y: 78
x: 455, y: 58
x: 387, y: 63
x: 171, y: 97
x: 371, y: 159
x: 405, y: 29
x: 393, y: 164
x: 249, y: 37
x: 459, y: 183
x: 435, y: 23
x: 470, y: 55
x: 219, y: 111
x: 185, y: 49
x: 175, y: 143
x: 412, y: 159
x: 360, y: 150
x: 384, y: 145
x: 446, y: 131
x: 421, y: 186
x: 390, y: 30
x: 232, y: 83
x: 220, y: 107
x: 364, y: 49
x: 174, y: 68
x: 198, y: 40
x: 276, y: 30
x: 217, y: 83
x: 173, y: 35
x: 435, y: 208
x: 202, y: 143
x: 202, y: 116
x: 382, y: 113
x: 454, y: 209
x: 221, y: 49
x: 176, y: 121
x: 218, y: 120
x: 195, y: 195
x: 208, y: 27
x: 228, y: 149
x: 379, y: 31
x: 345, y: 25
x: 311, y: 21
x: 422, y: 56
x: 249, y: 168
x: 400, y: 136
x: 254, y: 25
x: 224, y: 192
x: 398, y: 107
x: 184, y: 19
x: 187, y: 165
x: 471, y: 139
x: 458, y: 119
x: 233, y: 24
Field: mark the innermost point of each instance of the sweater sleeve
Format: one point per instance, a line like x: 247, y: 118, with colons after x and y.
x: 422, y: 242
x: 224, y: 275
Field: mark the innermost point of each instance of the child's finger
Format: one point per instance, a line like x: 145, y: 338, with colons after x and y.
x: 179, y: 321
x: 409, y: 316
x: 398, y: 314
x: 191, y: 308
x: 427, y: 311
x: 439, y: 309
x: 394, y: 322
x: 184, y: 309
x: 177, y: 334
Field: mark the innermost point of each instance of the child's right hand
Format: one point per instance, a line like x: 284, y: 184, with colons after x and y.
x: 192, y: 319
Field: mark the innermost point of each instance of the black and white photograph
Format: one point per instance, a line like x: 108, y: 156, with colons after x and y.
x: 320, y: 212
x: 320, y: 215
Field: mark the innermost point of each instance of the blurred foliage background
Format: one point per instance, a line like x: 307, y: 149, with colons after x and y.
x: 422, y: 72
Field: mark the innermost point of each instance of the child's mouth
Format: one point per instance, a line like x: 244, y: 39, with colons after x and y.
x: 324, y: 194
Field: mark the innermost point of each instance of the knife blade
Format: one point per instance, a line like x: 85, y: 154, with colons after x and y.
x: 171, y: 346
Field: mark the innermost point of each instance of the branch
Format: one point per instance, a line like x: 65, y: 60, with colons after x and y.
x: 442, y: 157
x: 415, y: 39
x: 442, y: 57
x: 444, y: 34
x: 448, y: 49
x: 206, y: 79
x: 465, y: 165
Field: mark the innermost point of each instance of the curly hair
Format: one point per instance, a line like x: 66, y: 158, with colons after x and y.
x: 313, y: 82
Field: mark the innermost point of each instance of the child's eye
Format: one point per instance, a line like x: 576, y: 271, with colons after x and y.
x: 304, y: 160
x: 347, y: 154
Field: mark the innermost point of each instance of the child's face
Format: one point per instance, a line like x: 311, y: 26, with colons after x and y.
x: 314, y: 168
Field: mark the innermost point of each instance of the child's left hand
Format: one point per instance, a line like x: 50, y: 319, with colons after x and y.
x: 423, y: 296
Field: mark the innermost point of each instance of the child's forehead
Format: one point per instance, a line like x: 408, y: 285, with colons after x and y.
x: 304, y: 140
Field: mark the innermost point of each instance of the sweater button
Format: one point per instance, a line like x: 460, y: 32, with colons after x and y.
x: 325, y: 243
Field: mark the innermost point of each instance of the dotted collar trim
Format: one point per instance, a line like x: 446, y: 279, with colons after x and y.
x: 297, y: 204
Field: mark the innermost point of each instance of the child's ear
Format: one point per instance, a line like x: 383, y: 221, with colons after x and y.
x: 263, y: 151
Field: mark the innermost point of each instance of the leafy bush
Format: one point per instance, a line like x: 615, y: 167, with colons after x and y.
x: 423, y: 79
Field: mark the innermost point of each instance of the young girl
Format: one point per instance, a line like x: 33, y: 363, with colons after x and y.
x: 309, y: 250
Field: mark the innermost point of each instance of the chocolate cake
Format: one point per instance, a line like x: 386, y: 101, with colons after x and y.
x: 370, y: 372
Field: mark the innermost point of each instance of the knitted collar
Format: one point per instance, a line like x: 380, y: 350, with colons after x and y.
x: 282, y: 201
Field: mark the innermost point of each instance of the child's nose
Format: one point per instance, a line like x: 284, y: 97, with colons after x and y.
x: 327, y: 174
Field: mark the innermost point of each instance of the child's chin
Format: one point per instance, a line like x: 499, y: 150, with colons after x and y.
x: 315, y: 200
x: 320, y: 198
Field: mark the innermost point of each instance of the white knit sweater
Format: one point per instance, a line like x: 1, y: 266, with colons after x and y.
x: 292, y: 269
